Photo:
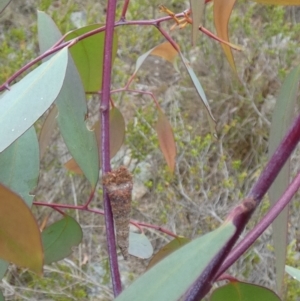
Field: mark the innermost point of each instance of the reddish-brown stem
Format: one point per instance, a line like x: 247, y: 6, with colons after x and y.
x: 104, y: 152
x: 211, y: 35
x: 168, y: 38
x: 101, y: 212
x: 89, y: 199
x: 124, y: 10
x: 158, y: 228
x: 137, y: 226
x: 58, y: 210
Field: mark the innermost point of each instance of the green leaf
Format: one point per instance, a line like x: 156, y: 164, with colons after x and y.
x: 31, y: 97
x: 48, y: 33
x: 117, y: 135
x: 1, y: 296
x: 241, y: 291
x: 295, y: 273
x: 166, y: 139
x: 197, y: 12
x: 88, y: 56
x: 169, y: 248
x: 139, y: 245
x: 20, y: 240
x: 47, y: 130
x: 19, y: 165
x: 281, y: 121
x: 72, y: 108
x: 3, y: 268
x: 200, y: 91
x: 222, y: 12
x: 171, y: 278
x: 80, y: 141
x: 59, y: 239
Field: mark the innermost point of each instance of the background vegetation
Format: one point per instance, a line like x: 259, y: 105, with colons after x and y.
x: 211, y: 174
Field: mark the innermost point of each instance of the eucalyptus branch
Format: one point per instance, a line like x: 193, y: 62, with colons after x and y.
x: 241, y: 214
x: 266, y: 221
x: 105, y: 144
x: 60, y: 44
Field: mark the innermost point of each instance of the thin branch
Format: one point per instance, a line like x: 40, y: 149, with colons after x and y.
x: 124, y: 10
x: 138, y: 224
x: 137, y: 92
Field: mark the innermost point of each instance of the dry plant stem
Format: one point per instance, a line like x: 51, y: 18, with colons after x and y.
x: 105, y: 151
x: 251, y: 237
x: 241, y: 214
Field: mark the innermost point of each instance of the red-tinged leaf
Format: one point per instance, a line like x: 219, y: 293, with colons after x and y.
x: 71, y: 165
x: 15, y: 172
x: 47, y: 130
x: 166, y: 139
x: 279, y: 2
x: 164, y: 50
x: 197, y: 11
x: 222, y: 12
x: 139, y: 245
x: 281, y: 121
x: 20, y: 240
x: 59, y: 239
x: 169, y: 248
x: 117, y: 135
x: 241, y: 291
